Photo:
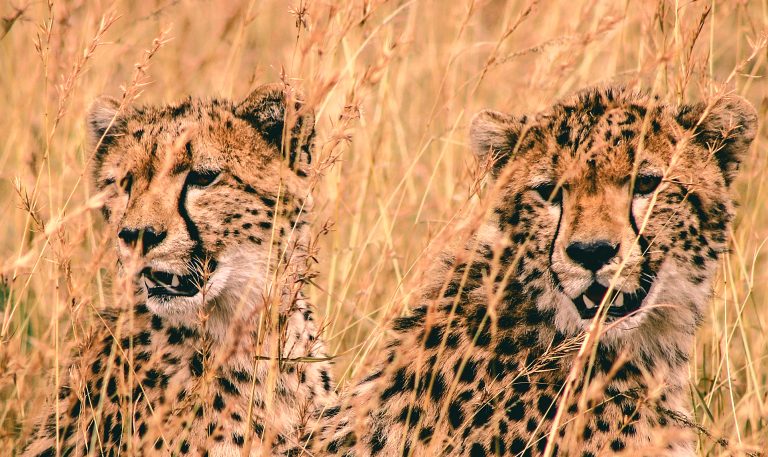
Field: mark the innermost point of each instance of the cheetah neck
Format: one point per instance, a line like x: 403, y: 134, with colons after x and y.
x: 629, y: 363
x: 658, y: 345
x: 259, y: 295
x: 637, y: 362
x: 264, y: 293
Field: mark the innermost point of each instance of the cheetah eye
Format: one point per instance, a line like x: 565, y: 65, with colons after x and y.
x: 645, y: 184
x: 126, y: 183
x: 550, y: 192
x: 202, y: 178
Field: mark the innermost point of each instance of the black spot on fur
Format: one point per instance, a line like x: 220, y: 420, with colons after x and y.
x: 238, y: 439
x: 434, y: 337
x: 218, y: 402
x: 617, y: 445
x: 326, y: 379
x: 402, y: 324
x: 469, y: 372
x: 483, y: 415
x: 455, y: 414
x: 546, y: 407
x: 477, y: 450
x: 506, y: 346
x: 517, y: 446
x: 227, y: 386
x: 196, y: 364
x: 397, y: 386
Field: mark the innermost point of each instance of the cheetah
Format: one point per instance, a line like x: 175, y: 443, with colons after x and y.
x: 611, y: 209
x: 219, y: 354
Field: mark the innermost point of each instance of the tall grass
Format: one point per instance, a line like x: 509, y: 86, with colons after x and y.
x: 395, y: 84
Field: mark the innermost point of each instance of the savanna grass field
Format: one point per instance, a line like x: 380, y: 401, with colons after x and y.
x: 394, y: 85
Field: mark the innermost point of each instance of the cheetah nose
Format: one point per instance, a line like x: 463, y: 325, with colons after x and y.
x: 147, y: 236
x: 592, y: 255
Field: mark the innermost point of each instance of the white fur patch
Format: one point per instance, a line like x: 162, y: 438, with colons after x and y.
x: 238, y: 282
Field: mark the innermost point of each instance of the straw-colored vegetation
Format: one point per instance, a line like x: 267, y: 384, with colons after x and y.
x: 393, y: 84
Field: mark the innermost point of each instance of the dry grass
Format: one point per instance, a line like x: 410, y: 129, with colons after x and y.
x: 395, y: 83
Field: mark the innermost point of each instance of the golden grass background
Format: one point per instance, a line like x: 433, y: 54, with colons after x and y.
x: 394, y: 85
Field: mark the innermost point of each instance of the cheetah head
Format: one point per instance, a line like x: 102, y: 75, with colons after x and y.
x: 203, y: 195
x: 614, y: 198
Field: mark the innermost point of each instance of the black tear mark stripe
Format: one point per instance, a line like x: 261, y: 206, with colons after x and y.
x: 553, y: 273
x: 198, y: 252
x: 647, y: 273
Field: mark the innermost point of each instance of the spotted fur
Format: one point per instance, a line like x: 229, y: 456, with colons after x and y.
x: 478, y: 367
x: 219, y: 192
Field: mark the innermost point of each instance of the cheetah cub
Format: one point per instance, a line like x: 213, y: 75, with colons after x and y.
x: 610, y: 206
x: 220, y: 357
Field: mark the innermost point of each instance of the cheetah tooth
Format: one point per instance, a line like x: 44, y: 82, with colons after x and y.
x: 175, y: 281
x: 590, y: 304
x: 619, y: 300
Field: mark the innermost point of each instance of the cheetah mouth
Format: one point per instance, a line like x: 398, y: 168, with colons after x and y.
x: 159, y: 284
x: 619, y: 303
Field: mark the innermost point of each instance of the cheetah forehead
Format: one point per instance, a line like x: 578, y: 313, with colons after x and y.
x: 612, y: 129
x: 607, y: 129
x: 251, y: 137
x: 191, y: 133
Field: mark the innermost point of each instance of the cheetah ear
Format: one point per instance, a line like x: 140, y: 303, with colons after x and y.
x: 278, y: 113
x: 102, y: 116
x: 104, y: 124
x: 494, y: 136
x: 726, y: 128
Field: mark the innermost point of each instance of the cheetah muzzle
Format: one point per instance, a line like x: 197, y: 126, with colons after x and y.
x: 619, y: 304
x: 162, y: 285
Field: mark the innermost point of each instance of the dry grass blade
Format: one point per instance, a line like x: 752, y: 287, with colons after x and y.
x: 393, y: 86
